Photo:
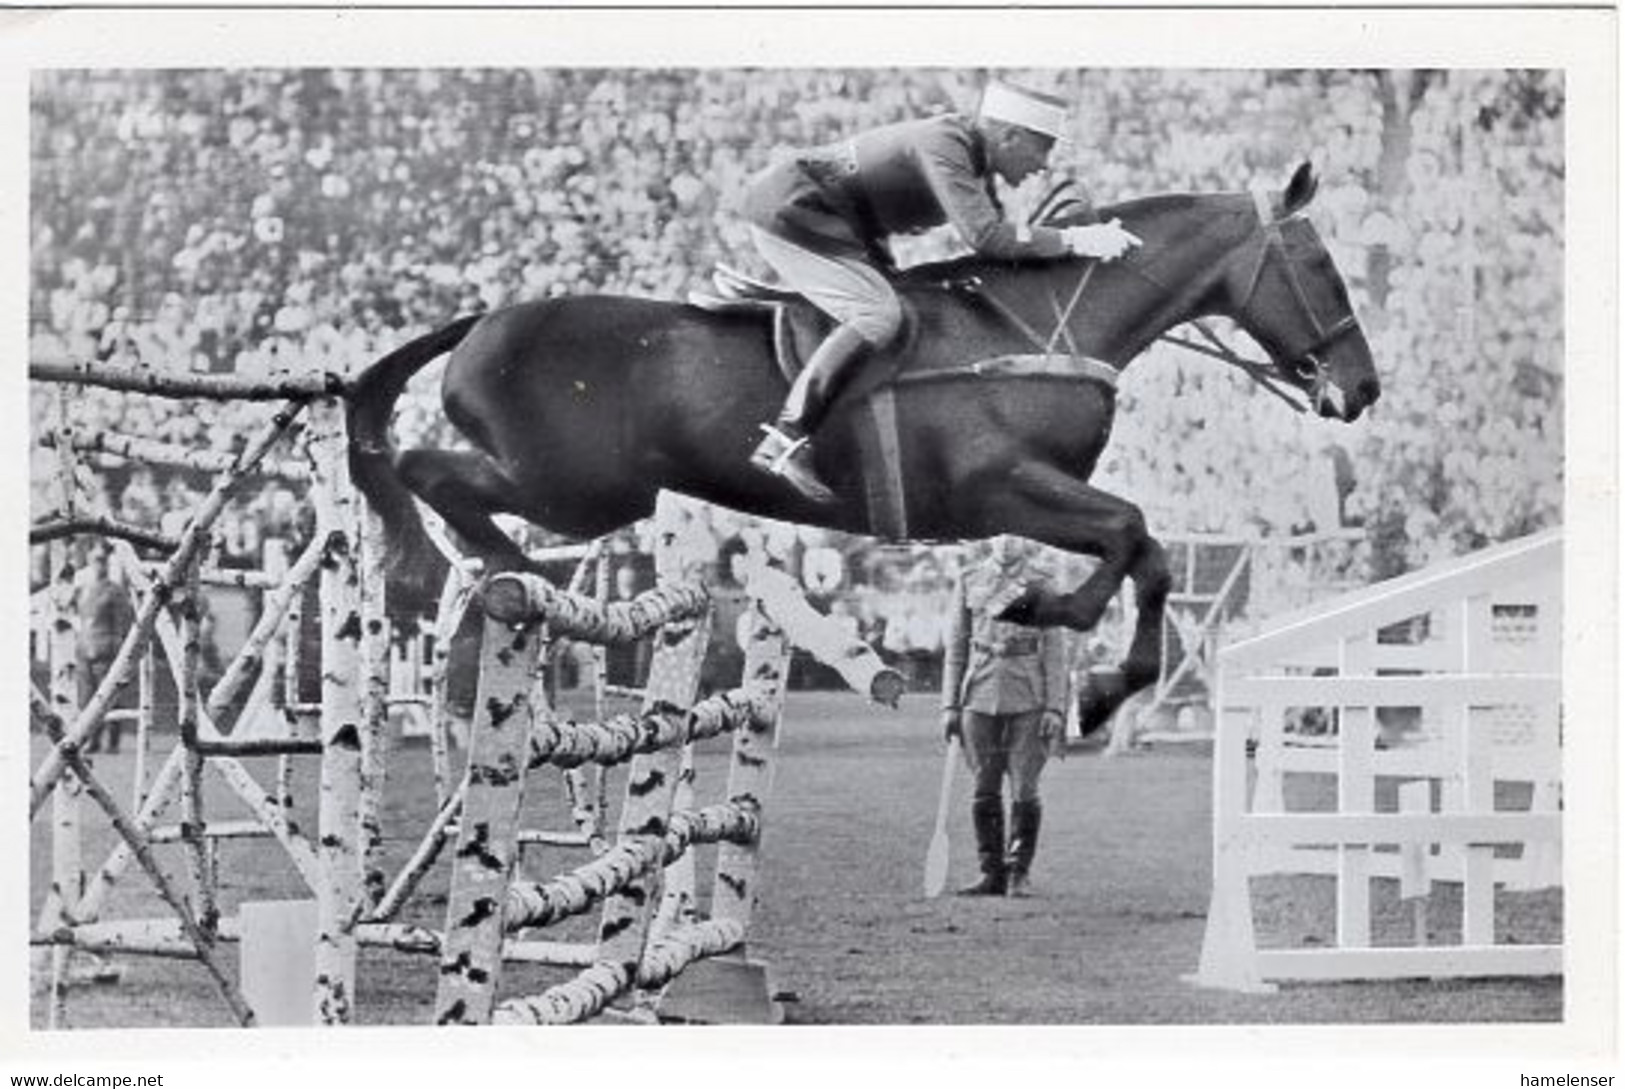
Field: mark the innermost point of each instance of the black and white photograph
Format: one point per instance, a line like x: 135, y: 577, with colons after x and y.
x: 764, y: 522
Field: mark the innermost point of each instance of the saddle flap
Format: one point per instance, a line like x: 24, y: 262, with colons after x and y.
x: 733, y: 284
x: 798, y: 330
x: 798, y: 326
x: 720, y: 304
x: 797, y: 333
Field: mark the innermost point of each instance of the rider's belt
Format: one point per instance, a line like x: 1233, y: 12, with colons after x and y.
x: 1007, y: 648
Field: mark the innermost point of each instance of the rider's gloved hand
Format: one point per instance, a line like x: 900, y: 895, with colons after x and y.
x: 952, y: 725
x: 1104, y: 240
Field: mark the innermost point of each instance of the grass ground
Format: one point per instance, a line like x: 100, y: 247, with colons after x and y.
x: 1122, y: 880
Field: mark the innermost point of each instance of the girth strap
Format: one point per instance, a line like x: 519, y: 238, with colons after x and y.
x: 1052, y: 365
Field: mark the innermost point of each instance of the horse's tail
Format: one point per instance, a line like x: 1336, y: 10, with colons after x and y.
x: 415, y: 564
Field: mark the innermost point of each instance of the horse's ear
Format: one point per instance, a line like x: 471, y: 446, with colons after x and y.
x: 1300, y: 190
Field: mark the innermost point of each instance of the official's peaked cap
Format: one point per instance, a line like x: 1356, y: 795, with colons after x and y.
x: 1041, y: 113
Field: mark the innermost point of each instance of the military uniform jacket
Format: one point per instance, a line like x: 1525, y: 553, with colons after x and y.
x: 998, y: 668
x: 897, y: 179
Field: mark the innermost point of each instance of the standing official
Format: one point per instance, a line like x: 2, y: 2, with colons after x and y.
x: 1004, y: 694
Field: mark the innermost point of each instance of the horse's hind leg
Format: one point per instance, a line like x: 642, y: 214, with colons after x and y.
x: 1049, y: 505
x: 466, y: 488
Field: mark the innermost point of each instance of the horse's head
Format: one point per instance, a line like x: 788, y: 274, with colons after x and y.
x: 1289, y: 297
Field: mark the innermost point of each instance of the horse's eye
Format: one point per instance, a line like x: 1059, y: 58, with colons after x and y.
x: 1306, y: 368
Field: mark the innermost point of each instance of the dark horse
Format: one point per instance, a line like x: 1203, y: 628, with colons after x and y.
x: 583, y: 409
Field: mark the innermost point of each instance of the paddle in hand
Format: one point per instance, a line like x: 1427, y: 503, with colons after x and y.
x: 936, y: 858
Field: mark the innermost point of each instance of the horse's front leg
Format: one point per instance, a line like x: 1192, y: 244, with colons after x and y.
x: 1049, y: 505
x: 1143, y: 664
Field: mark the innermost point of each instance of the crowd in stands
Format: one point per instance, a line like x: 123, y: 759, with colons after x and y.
x: 249, y: 221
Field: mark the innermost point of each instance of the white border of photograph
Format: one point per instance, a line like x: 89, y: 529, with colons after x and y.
x: 1580, y: 41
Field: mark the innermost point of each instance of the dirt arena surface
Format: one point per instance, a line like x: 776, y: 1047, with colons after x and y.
x: 1121, y: 879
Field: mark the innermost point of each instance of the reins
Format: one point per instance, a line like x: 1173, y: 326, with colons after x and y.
x: 1258, y: 372
x: 973, y: 285
x: 1063, y: 323
x: 1216, y: 348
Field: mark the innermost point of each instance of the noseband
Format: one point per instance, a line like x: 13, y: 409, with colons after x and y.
x: 1307, y: 364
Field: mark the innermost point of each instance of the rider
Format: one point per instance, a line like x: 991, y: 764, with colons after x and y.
x: 820, y: 217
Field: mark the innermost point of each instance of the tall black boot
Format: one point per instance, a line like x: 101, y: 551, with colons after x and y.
x: 1025, y: 818
x: 987, y: 817
x: 783, y: 450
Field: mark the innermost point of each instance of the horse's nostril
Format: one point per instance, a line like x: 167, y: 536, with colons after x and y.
x: 1368, y: 391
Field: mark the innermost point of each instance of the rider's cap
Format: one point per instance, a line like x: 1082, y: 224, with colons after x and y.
x: 1041, y: 113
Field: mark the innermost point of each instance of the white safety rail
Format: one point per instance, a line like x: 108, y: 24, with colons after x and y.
x: 1459, y: 693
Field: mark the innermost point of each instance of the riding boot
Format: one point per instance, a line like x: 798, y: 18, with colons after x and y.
x: 1024, y: 821
x: 784, y: 449
x: 987, y: 818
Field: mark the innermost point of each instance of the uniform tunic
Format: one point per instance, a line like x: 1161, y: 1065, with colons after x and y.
x: 841, y: 199
x: 1003, y: 677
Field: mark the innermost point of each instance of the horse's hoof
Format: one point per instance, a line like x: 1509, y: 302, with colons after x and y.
x: 1091, y: 715
x: 505, y: 598
x: 887, y: 688
x: 1097, y: 702
x: 1023, y: 610
x: 1095, y: 717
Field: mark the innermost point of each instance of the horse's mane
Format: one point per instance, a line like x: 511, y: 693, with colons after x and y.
x: 1059, y: 208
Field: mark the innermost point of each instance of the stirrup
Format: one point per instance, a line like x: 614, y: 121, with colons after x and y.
x: 790, y: 446
x: 781, y: 462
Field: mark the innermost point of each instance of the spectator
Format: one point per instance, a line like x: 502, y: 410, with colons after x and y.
x: 105, y: 617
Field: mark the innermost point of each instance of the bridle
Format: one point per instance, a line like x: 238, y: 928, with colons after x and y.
x: 1307, y: 364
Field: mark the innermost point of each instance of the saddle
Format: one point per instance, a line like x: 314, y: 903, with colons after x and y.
x: 798, y: 328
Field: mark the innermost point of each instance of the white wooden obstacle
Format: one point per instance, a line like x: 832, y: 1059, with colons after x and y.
x: 339, y: 865
x: 1486, y: 679
x: 351, y: 710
